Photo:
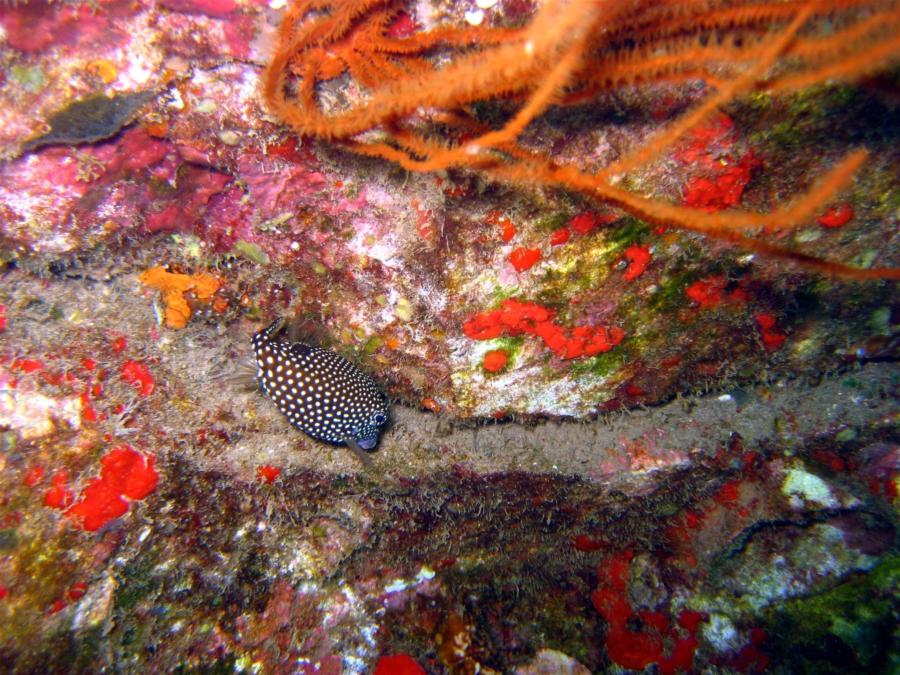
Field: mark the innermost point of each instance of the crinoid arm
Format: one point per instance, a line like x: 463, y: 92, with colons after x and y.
x: 570, y: 52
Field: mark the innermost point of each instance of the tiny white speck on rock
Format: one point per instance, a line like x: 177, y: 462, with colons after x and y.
x: 474, y: 17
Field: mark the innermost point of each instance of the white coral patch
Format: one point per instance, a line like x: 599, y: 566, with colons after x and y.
x: 33, y: 415
x: 803, y: 488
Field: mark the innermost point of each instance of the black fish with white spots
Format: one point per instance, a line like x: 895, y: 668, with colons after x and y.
x: 321, y: 393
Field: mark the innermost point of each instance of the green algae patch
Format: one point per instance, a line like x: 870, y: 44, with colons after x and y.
x: 603, y: 364
x: 137, y: 582
x: 554, y: 221
x: 30, y: 77
x: 630, y: 231
x: 511, y: 345
x: 670, y: 294
x: 845, y: 629
x: 250, y: 251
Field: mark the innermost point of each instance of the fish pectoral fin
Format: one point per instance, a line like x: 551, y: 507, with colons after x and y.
x: 358, y: 452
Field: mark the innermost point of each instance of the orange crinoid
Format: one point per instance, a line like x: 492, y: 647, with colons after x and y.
x: 417, y: 87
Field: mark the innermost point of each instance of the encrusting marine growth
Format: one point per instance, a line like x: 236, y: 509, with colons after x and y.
x: 417, y: 108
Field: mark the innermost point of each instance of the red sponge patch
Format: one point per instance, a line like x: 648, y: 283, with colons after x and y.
x: 124, y: 474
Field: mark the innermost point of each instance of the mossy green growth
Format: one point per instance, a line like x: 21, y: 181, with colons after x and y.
x: 628, y: 231
x: 880, y: 321
x: 883, y: 195
x: 554, y: 221
x: 603, y: 364
x: 511, y: 345
x: 31, y: 78
x: 670, y: 295
x: 250, y: 251
x: 9, y: 539
x: 136, y: 583
x: 224, y: 665
x: 803, y: 117
x: 372, y: 344
x: 852, y: 628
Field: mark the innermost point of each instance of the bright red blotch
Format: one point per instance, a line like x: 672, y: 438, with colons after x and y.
x: 836, y: 216
x: 59, y: 496
x: 524, y: 258
x: 706, y: 142
x: 560, y: 236
x: 77, y: 591
x: 118, y: 344
x: 707, y: 292
x: 585, y: 222
x: 402, y: 26
x: 88, y: 413
x: 584, y: 543
x: 33, y: 476
x: 27, y: 365
x: 494, y: 361
x: 772, y: 338
x: 633, y: 649
x: 634, y: 390
x: 636, y: 639
x: 723, y: 174
x: 124, y: 473
x: 723, y: 187
x: 507, y: 230
x: 728, y: 493
x: 638, y: 258
x: 137, y: 374
x: 515, y: 318
x: 398, y: 664
x: 751, y: 658
x: 267, y: 473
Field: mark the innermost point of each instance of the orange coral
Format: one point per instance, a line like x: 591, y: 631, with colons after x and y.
x: 571, y: 51
x: 174, y: 287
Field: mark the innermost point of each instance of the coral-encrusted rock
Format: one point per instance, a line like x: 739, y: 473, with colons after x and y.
x: 398, y: 264
x: 155, y: 514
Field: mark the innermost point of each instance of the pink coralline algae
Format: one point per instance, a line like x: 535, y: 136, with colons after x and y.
x: 34, y: 27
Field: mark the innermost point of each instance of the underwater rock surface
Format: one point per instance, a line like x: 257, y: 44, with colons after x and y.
x: 417, y: 271
x: 615, y: 445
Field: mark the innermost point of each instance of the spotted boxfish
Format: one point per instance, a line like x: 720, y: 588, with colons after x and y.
x: 321, y: 393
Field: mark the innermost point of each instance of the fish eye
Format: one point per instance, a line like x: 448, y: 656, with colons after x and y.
x: 379, y: 418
